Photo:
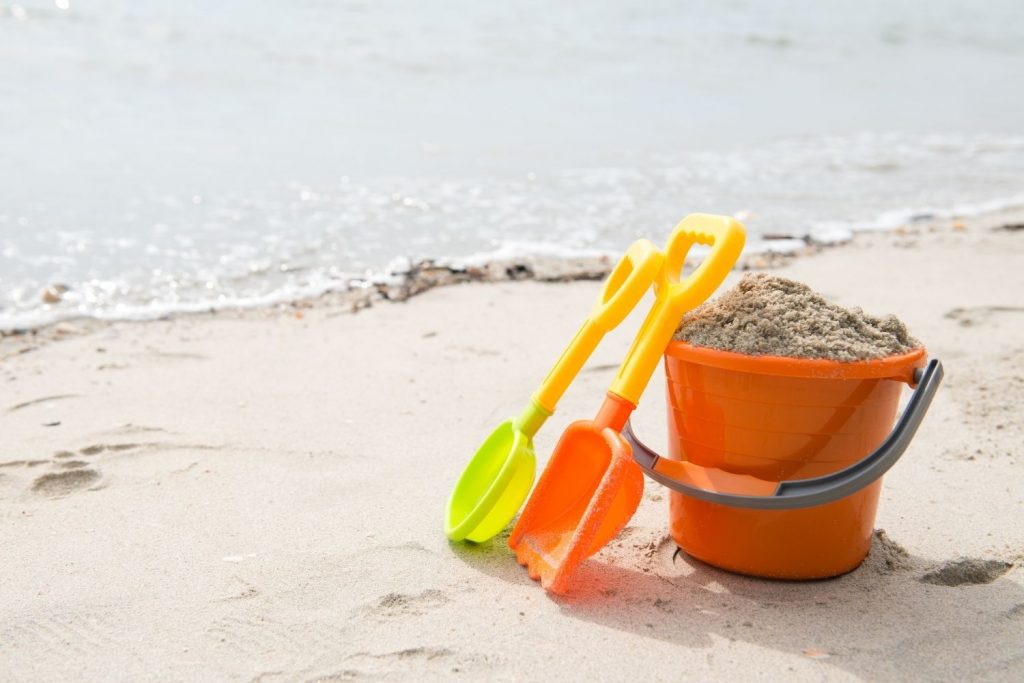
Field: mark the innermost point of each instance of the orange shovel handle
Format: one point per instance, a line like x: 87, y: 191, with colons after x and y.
x: 725, y: 236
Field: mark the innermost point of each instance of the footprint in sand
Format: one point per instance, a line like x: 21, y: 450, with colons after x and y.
x: 966, y: 571
x: 56, y: 484
x: 100, y: 447
x: 888, y: 557
x: 23, y: 463
x: 401, y: 604
x: 72, y: 464
x: 975, y: 315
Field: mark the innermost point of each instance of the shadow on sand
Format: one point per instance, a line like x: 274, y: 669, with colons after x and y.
x: 889, y: 616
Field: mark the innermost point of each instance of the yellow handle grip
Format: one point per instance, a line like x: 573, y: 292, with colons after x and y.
x: 675, y: 297
x: 629, y: 280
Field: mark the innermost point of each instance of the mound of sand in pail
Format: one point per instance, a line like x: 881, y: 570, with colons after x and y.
x: 769, y: 315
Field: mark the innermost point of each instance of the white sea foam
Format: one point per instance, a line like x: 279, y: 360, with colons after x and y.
x: 514, y: 250
x: 837, y: 232
x: 154, y: 310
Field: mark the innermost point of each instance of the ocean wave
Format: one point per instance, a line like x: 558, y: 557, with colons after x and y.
x: 836, y: 232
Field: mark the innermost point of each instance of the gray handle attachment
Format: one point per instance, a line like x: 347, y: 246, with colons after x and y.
x: 802, y: 493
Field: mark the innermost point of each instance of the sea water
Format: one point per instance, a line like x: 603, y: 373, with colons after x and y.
x: 177, y: 156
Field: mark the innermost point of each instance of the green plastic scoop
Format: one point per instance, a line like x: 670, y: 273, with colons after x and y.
x: 498, y: 478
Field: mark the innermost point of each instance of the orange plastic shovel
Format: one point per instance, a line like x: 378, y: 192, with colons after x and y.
x: 591, y: 487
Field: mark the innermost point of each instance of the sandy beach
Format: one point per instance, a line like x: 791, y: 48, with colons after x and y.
x: 259, y: 496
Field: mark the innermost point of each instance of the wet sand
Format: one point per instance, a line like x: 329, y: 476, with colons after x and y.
x: 259, y: 496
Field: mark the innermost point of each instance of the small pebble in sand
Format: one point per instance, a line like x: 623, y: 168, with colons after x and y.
x: 769, y: 315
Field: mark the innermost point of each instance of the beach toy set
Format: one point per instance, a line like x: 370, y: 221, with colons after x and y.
x: 774, y: 464
x: 591, y: 488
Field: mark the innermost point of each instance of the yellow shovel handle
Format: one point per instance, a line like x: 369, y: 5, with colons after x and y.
x: 625, y: 286
x: 675, y: 297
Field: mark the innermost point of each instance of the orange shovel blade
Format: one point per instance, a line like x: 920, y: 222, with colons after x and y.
x: 589, y: 490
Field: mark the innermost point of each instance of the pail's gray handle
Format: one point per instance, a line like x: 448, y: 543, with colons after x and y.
x: 802, y: 493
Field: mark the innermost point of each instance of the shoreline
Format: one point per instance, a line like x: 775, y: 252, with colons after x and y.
x: 410, y: 279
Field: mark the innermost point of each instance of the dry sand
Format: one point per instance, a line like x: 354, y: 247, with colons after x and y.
x: 260, y: 497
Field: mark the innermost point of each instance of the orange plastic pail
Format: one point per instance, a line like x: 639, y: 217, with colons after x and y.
x: 742, y: 428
